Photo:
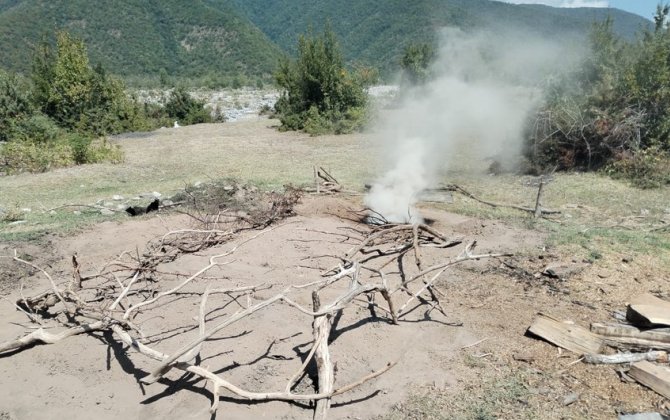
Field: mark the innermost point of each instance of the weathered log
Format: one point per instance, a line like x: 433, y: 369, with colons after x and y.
x: 629, y: 337
x: 651, y: 356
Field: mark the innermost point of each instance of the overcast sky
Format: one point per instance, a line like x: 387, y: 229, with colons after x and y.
x: 644, y: 8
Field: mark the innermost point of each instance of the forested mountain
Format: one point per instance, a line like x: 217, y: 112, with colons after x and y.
x: 195, y: 38
x: 375, y: 31
x: 139, y: 37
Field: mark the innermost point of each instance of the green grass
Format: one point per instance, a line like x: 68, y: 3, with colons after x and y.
x: 167, y: 160
x: 170, y: 159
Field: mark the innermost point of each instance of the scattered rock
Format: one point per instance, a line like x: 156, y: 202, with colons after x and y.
x: 156, y: 194
x: 18, y: 222
x: 627, y: 259
x: 117, y: 198
x: 570, y: 398
x: 106, y: 212
x: 168, y: 202
x: 26, y: 210
x: 563, y: 270
x: 77, y: 212
x: 528, y: 358
x: 643, y: 416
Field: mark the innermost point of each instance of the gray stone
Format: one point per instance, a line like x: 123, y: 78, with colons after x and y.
x: 643, y: 416
x: 563, y: 270
x: 106, y: 212
x: 117, y: 198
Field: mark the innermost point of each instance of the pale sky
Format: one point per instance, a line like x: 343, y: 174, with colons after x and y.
x: 645, y: 8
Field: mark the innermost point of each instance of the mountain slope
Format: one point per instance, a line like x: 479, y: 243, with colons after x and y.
x: 375, y: 31
x: 140, y: 37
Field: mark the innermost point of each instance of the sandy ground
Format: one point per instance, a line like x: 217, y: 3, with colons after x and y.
x: 92, y: 376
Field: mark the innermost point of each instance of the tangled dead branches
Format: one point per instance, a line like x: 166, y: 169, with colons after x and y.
x: 119, y: 296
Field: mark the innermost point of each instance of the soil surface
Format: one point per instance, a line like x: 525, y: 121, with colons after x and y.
x: 489, y: 305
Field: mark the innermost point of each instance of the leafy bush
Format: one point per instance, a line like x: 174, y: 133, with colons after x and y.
x: 182, y: 107
x: 617, y: 114
x: 27, y: 156
x: 15, y: 105
x: 318, y: 91
x: 38, y: 128
x: 78, y: 97
x: 649, y: 168
x: 415, y: 63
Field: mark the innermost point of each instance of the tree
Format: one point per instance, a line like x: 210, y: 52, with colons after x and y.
x: 15, y: 105
x: 77, y: 96
x: 416, y: 61
x: 182, y: 107
x: 319, y: 93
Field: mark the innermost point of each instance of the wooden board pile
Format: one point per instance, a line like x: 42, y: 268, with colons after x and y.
x: 643, y: 341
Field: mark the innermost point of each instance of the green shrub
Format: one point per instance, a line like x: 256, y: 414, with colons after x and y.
x: 181, y: 106
x: 415, y: 63
x: 648, y: 168
x: 615, y: 114
x: 15, y: 104
x: 318, y: 91
x: 79, y: 97
x: 79, y: 146
x: 38, y: 128
x: 26, y: 156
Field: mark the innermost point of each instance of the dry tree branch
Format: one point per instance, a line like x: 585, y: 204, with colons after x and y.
x: 40, y: 335
x: 542, y: 212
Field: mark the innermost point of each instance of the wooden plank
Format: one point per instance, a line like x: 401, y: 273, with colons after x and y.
x: 568, y: 336
x: 647, y: 310
x: 652, y: 376
x: 620, y: 331
x: 629, y: 337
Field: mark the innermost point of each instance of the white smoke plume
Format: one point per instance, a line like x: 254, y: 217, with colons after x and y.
x: 476, y: 107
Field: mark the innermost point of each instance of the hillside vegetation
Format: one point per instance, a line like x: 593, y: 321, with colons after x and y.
x: 375, y: 32
x: 615, y: 114
x: 141, y: 37
x: 217, y: 40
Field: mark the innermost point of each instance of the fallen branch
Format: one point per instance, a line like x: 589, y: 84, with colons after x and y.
x: 40, y: 335
x: 535, y: 210
x: 651, y: 356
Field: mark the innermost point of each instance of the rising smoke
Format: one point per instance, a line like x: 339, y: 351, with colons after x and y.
x: 476, y: 107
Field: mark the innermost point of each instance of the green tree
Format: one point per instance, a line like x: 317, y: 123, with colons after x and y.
x: 15, y: 105
x: 182, y: 107
x: 319, y: 93
x: 77, y: 96
x: 617, y: 115
x: 416, y: 61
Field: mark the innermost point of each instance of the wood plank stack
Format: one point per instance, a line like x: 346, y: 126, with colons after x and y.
x: 646, y: 339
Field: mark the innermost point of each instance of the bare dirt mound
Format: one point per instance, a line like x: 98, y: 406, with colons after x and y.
x: 95, y: 376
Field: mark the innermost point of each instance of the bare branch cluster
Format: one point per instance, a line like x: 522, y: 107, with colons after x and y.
x: 112, y: 298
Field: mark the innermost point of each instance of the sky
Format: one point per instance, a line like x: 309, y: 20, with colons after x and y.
x: 645, y: 8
